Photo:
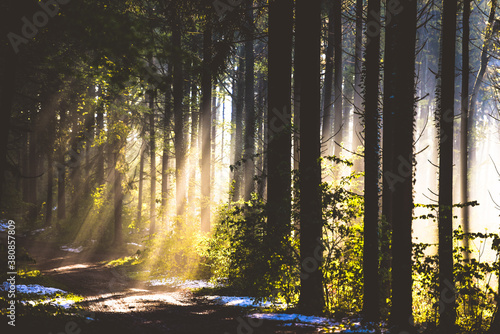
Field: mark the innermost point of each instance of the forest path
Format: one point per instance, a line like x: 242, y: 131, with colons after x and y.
x: 118, y: 304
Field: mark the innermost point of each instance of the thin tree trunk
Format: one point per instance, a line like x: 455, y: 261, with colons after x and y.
x: 206, y: 120
x: 100, y: 128
x: 327, y: 99
x: 238, y: 151
x: 308, y: 32
x: 358, y: 56
x: 180, y: 155
x: 372, y: 173
x: 141, y: 183
x: 446, y: 106
x: 337, y: 33
x: 152, y: 157
x: 61, y: 169
x: 249, y: 106
x: 165, y: 158
x: 464, y: 186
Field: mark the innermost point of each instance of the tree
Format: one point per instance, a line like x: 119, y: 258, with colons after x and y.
x: 152, y: 159
x: 308, y: 32
x: 405, y: 18
x: 328, y: 83
x: 249, y: 104
x: 358, y: 55
x: 337, y: 33
x: 464, y: 100
x: 206, y: 123
x: 445, y: 108
x: 372, y: 171
x: 279, y: 127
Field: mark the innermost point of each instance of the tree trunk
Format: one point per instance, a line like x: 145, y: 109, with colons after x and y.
x: 337, y: 33
x: 118, y: 201
x: 308, y: 33
x: 389, y: 110
x: 141, y: 184
x: 179, y: 144
x: 165, y: 158
x: 327, y: 99
x: 61, y: 169
x: 279, y: 125
x: 464, y: 186
x: 402, y: 215
x: 206, y: 123
x: 152, y: 157
x: 372, y: 172
x: 249, y: 105
x: 446, y: 106
x: 238, y: 150
x: 50, y: 170
x: 100, y: 128
x: 358, y: 56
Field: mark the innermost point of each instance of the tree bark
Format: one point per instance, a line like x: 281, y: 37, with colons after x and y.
x: 279, y: 124
x: 337, y: 33
x: 372, y: 172
x: 446, y: 106
x: 152, y: 159
x: 249, y: 148
x: 327, y: 99
x: 206, y: 123
x: 308, y: 32
x: 358, y: 57
x: 405, y: 18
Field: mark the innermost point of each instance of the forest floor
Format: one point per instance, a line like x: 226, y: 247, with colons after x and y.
x: 114, y: 303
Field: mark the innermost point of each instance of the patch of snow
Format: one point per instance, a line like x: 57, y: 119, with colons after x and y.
x: 174, y: 282
x: 239, y: 301
x: 60, y: 302
x: 32, y: 288
x: 134, y: 244
x: 72, y: 250
x: 297, y: 318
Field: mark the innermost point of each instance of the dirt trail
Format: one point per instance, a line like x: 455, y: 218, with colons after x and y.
x: 118, y: 304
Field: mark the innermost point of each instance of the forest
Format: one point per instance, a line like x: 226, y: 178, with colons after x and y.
x: 249, y: 166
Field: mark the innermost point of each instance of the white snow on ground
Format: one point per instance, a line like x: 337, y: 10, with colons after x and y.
x: 177, y: 283
x: 238, y: 301
x: 72, y: 250
x: 37, y: 231
x: 32, y: 288
x: 40, y: 290
x: 134, y: 244
x: 300, y: 318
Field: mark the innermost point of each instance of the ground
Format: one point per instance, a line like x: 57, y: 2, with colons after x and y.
x: 114, y: 303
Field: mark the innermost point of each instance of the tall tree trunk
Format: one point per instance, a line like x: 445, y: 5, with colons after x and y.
x: 296, y: 112
x: 206, y: 123
x: 249, y: 105
x: 337, y: 33
x: 100, y: 128
x: 372, y: 171
x: 308, y: 33
x: 50, y: 170
x: 358, y: 56
x: 165, y: 158
x: 194, y: 150
x: 389, y: 111
x: 179, y: 144
x: 118, y: 200
x: 61, y: 168
x: 33, y: 171
x: 327, y: 99
x: 238, y: 150
x: 446, y: 106
x: 279, y: 124
x: 141, y: 183
x: 464, y: 186
x: 404, y: 99
x: 152, y: 159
